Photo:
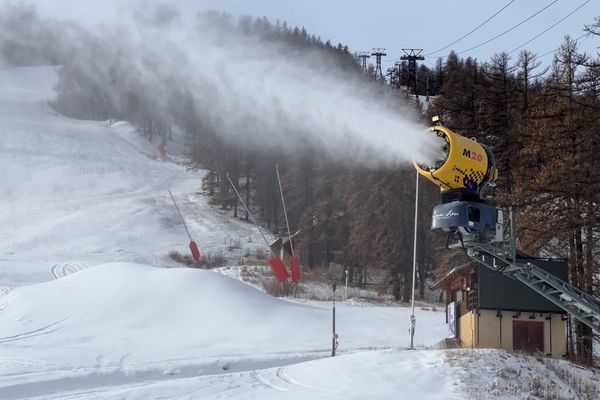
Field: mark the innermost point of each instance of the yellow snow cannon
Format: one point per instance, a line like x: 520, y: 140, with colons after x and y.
x: 462, y: 163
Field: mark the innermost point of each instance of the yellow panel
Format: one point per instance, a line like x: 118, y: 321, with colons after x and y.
x: 466, y: 164
x: 466, y: 330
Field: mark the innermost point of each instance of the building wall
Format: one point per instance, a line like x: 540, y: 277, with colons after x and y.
x: 497, y: 291
x: 559, y: 336
x: 495, y: 332
x: 466, y: 330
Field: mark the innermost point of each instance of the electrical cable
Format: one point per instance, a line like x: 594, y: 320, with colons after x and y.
x: 479, y: 26
x: 428, y: 55
x: 551, y: 26
x: 556, y: 48
x: 508, y: 30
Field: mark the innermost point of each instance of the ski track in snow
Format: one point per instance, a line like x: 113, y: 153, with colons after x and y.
x: 257, y: 375
x: 269, y: 373
x: 283, y: 375
x: 48, y: 329
x: 62, y: 270
x: 45, y: 330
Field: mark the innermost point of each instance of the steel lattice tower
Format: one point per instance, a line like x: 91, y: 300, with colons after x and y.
x: 398, y: 72
x: 391, y: 72
x: 412, y: 56
x: 363, y: 55
x: 378, y: 53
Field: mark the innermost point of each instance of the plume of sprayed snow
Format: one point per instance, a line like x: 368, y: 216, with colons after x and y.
x: 254, y: 92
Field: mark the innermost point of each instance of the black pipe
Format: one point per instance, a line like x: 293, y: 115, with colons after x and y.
x: 334, y: 337
x: 550, y: 334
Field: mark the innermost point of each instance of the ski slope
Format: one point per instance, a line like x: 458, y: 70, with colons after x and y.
x: 83, y: 193
x: 91, y: 307
x: 129, y: 323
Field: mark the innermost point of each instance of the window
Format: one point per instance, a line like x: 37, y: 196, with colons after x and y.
x: 457, y: 295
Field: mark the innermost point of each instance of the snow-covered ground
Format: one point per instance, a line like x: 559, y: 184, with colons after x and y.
x: 86, y: 312
x: 130, y: 323
x: 80, y: 193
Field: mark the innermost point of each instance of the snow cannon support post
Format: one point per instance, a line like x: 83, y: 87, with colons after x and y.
x: 275, y: 263
x: 294, y: 261
x: 334, y: 340
x: 193, y: 247
x: 278, y: 269
x: 162, y: 150
x: 194, y: 250
x: 295, y: 267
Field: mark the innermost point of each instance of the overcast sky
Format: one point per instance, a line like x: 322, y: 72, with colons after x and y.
x: 394, y: 24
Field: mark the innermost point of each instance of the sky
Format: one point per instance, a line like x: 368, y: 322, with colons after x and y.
x: 426, y: 24
x: 393, y: 24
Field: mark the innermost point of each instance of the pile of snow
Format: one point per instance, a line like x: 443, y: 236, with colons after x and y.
x: 204, y: 312
x: 117, y: 320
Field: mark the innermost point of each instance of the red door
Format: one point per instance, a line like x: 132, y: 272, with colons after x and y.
x: 528, y: 336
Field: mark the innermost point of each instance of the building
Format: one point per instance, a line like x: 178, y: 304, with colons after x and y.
x: 490, y: 310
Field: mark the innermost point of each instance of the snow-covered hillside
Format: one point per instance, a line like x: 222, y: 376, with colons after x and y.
x: 86, y: 312
x: 80, y: 193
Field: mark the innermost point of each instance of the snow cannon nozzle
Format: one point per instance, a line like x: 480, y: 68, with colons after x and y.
x: 460, y: 163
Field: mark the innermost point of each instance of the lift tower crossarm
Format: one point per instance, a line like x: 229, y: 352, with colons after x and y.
x: 574, y: 301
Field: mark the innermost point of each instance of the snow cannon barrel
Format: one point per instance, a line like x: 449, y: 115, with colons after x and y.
x: 461, y: 163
